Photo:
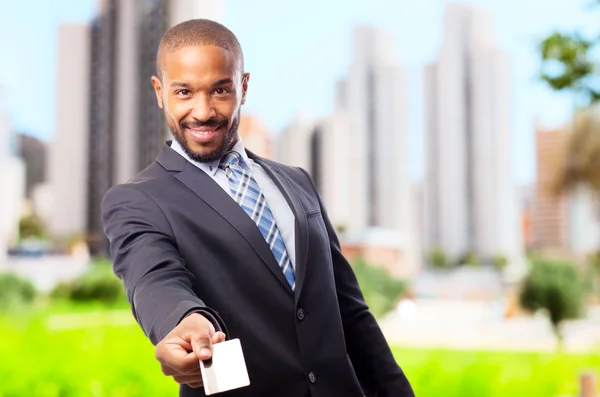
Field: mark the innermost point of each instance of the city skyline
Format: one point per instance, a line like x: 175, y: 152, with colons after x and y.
x: 467, y: 131
x: 516, y: 30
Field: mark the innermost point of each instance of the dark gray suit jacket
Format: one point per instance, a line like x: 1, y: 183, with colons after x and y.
x: 181, y: 244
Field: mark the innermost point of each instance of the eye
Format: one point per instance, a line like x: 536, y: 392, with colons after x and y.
x: 182, y: 92
x: 221, y: 91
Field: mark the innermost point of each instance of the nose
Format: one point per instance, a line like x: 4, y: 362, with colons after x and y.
x: 203, y: 109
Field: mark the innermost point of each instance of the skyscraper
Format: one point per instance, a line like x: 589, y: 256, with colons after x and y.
x: 471, y: 195
x: 373, y: 96
x: 69, y: 153
x: 321, y: 147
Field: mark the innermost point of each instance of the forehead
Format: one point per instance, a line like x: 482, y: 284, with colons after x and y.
x: 199, y: 63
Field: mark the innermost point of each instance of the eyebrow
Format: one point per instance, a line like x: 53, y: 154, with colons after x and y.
x: 177, y: 84
x: 223, y: 81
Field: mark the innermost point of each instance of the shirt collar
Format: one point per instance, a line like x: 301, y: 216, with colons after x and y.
x: 212, y: 167
x: 241, y: 150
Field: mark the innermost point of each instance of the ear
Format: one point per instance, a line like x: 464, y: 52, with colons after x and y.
x: 158, y: 91
x: 245, y: 79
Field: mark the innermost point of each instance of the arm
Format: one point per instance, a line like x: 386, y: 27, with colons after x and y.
x: 157, y: 282
x: 375, y: 366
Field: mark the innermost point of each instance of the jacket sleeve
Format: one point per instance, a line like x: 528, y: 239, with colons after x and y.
x: 145, y: 257
x: 372, y: 359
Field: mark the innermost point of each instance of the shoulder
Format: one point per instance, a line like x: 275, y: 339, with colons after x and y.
x: 141, y: 187
x: 292, y: 173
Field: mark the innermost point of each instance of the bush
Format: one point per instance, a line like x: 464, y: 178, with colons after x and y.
x: 468, y: 259
x: 98, y: 283
x: 438, y: 259
x: 15, y: 292
x: 555, y: 287
x: 31, y: 227
x: 380, y: 290
x: 500, y: 262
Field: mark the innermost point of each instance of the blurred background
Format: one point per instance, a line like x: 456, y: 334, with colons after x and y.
x: 456, y: 147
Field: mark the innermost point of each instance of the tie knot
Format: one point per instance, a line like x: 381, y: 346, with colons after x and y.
x: 230, y: 158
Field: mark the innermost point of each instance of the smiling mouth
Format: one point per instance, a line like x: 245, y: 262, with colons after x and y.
x: 203, y: 130
x: 204, y: 134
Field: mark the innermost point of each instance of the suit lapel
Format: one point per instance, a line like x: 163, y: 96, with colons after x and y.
x: 301, y: 222
x: 213, y: 195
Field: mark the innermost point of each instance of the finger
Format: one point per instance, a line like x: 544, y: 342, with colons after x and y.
x: 193, y: 371
x: 187, y: 379
x: 171, y: 352
x: 195, y: 385
x: 218, y: 337
x: 202, y: 345
x: 175, y: 360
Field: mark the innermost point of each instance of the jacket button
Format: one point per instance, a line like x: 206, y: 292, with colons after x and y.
x: 312, y: 377
x: 300, y: 314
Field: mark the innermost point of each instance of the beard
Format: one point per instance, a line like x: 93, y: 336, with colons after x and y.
x: 207, y: 157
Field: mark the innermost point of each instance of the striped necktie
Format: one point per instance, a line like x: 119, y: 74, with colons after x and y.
x: 246, y: 192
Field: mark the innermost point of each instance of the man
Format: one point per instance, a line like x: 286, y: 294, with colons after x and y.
x: 212, y: 241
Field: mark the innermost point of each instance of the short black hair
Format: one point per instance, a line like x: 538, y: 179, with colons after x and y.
x: 196, y: 32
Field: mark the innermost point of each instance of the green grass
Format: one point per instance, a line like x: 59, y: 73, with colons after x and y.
x: 102, y: 361
x: 118, y: 361
x: 451, y: 373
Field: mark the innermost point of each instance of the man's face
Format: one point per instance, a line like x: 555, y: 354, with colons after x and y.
x: 201, y: 92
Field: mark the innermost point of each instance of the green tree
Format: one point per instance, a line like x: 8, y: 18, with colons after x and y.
x: 380, y: 290
x: 556, y: 288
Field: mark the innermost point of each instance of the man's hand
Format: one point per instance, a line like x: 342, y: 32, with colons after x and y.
x: 180, y: 351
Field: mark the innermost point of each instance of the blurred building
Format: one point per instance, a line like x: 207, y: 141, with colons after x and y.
x: 527, y: 202
x: 322, y: 148
x: 69, y: 149
x: 550, y: 211
x: 42, y: 203
x: 33, y: 153
x: 471, y: 195
x: 584, y: 223
x: 294, y: 142
x: 373, y: 95
x: 358, y: 155
x: 256, y: 136
x: 563, y: 223
x: 12, y: 184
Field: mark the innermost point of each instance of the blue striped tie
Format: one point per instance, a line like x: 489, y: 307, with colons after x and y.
x: 246, y: 192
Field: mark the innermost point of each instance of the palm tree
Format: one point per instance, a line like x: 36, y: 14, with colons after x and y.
x: 568, y: 65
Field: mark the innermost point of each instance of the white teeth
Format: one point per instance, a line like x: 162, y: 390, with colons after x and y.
x: 202, y: 132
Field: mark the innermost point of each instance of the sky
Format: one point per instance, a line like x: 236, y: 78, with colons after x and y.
x: 295, y: 51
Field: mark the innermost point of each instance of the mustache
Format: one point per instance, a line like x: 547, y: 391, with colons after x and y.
x: 208, y: 123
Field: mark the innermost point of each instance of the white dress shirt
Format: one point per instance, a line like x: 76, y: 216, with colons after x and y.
x: 284, y: 217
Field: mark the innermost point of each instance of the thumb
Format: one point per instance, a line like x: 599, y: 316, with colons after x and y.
x: 218, y: 337
x: 202, y: 345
